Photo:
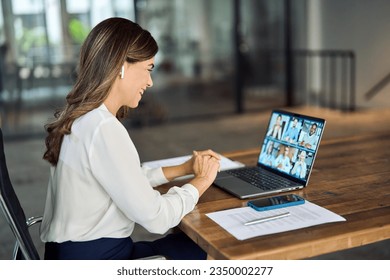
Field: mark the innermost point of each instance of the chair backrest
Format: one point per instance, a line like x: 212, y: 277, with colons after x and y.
x: 13, y: 211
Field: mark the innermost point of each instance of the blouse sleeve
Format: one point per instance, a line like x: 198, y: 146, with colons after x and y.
x: 115, y: 163
x: 155, y: 176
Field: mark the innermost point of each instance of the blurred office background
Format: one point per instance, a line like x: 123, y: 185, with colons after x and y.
x: 202, y: 43
x: 216, y: 57
x: 220, y: 62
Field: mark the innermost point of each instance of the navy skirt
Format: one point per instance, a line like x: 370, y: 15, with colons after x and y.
x: 173, y: 246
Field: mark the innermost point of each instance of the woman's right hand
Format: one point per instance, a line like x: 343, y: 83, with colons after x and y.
x: 205, y: 169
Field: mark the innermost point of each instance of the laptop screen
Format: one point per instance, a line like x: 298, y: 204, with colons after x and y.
x: 291, y: 143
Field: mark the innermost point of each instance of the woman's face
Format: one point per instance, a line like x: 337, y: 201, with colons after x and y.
x: 136, y: 79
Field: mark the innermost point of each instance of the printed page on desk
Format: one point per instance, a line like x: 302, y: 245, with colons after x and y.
x: 301, y: 216
x: 226, y: 163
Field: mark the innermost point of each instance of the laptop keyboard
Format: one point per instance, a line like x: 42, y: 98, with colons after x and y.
x: 261, y: 178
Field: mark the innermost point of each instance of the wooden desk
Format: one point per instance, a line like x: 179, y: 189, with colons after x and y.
x: 351, y: 177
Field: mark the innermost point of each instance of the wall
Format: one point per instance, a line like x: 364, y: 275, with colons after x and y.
x: 359, y: 25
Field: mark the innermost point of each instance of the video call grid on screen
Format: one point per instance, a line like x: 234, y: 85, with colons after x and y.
x: 299, y: 136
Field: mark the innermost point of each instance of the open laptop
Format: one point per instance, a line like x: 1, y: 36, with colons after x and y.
x: 285, y: 160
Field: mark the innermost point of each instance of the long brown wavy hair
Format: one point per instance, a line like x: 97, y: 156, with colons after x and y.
x: 106, y: 48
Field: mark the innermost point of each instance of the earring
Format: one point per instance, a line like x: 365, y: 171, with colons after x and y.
x: 122, y: 73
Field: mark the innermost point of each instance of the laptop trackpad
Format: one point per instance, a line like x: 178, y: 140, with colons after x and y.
x: 236, y: 185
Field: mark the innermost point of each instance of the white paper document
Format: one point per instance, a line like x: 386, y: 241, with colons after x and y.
x: 225, y: 163
x: 301, y: 216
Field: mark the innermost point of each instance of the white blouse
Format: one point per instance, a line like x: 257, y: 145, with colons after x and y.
x: 98, y: 188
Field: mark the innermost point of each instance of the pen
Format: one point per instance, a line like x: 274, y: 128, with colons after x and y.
x: 266, y: 219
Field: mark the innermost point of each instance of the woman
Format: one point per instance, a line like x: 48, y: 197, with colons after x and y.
x: 97, y: 190
x: 276, y: 130
x: 267, y: 158
x: 300, y: 166
x: 282, y: 162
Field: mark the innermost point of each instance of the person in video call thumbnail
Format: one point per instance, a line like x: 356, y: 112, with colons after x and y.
x: 310, y: 139
x: 283, y: 161
x: 276, y: 129
x: 300, y: 167
x: 291, y: 135
x: 268, y: 158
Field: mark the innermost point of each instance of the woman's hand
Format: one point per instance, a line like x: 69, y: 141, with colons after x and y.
x: 205, y: 166
x: 189, y: 166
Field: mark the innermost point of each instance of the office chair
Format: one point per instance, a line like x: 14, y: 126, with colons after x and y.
x: 13, y: 211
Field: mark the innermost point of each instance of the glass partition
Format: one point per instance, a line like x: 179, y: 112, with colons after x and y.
x: 203, y: 57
